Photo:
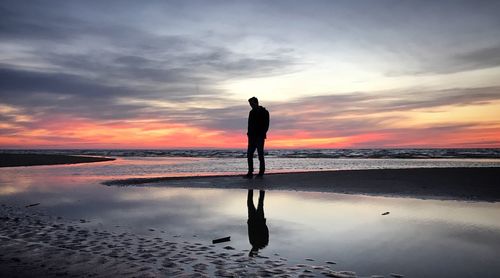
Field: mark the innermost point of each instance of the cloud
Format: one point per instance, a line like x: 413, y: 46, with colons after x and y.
x: 365, y: 103
x: 345, y: 114
x: 57, y: 93
x: 479, y: 58
x: 49, y: 94
x: 208, y: 66
x: 451, y: 62
x: 24, y: 81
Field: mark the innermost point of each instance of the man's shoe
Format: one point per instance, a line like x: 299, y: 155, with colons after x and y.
x: 260, y: 175
x: 248, y: 176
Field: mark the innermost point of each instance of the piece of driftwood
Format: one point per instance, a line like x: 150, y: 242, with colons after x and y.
x: 222, y: 239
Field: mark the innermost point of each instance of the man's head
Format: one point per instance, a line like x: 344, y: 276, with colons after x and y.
x: 254, y: 102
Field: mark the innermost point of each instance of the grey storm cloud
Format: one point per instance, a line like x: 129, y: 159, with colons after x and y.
x: 445, y: 63
x: 170, y: 67
x: 110, y: 53
x: 363, y: 102
x: 54, y: 93
x: 487, y: 56
x: 23, y: 81
x: 125, y: 63
x: 477, y: 59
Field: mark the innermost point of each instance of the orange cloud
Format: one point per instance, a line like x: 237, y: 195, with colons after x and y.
x: 81, y: 133
x: 368, y: 131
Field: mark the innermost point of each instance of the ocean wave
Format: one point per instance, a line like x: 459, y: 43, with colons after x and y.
x: 288, y: 153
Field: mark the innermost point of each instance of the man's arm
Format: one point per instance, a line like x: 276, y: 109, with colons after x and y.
x: 266, y: 121
x: 251, y: 124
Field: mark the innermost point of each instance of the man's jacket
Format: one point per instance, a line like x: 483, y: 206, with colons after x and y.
x: 258, y: 122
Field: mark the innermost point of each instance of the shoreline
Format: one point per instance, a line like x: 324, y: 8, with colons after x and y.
x: 472, y: 184
x: 19, y: 160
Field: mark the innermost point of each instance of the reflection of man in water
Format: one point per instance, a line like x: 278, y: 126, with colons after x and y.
x: 258, y: 124
x: 258, y: 233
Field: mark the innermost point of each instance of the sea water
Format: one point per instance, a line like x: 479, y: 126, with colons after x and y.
x: 281, y: 153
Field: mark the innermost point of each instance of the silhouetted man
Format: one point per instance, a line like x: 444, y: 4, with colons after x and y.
x: 258, y: 124
x: 258, y: 233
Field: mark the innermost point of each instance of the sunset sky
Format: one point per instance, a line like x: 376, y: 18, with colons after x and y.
x: 177, y: 74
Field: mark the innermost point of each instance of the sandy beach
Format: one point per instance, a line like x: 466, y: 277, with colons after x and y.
x: 14, y: 160
x: 38, y: 245
x: 481, y: 184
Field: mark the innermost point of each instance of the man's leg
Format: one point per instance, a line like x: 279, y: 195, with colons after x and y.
x: 260, y: 206
x: 250, y: 151
x: 250, y: 205
x: 260, y: 152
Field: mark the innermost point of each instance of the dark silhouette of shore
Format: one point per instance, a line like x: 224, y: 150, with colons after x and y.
x: 479, y: 184
x: 13, y: 160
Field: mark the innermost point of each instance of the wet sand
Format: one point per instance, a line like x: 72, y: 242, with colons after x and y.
x: 14, y: 160
x: 480, y: 184
x: 38, y: 245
